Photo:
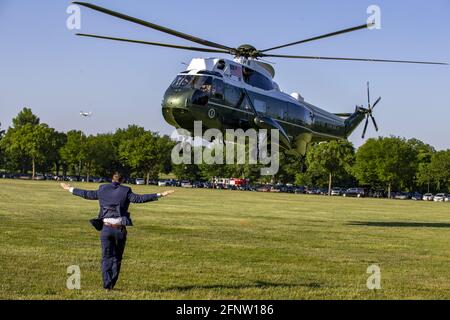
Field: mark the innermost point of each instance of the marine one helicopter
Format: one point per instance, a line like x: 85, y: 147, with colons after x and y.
x: 241, y: 93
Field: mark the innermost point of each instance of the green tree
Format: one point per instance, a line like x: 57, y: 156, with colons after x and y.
x: 73, y: 153
x: 164, y: 146
x: 25, y: 117
x: 439, y: 170
x: 140, y: 152
x: 2, y: 153
x: 15, y: 157
x: 424, y: 153
x: 59, y: 139
x: 31, y: 141
x: 100, y: 155
x: 389, y: 162
x: 330, y: 159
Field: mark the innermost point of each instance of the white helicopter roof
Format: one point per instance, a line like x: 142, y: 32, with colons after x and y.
x: 210, y: 63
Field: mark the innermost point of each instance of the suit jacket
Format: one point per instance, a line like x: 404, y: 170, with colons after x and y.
x: 114, y: 200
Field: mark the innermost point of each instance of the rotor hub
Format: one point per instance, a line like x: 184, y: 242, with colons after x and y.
x: 247, y: 51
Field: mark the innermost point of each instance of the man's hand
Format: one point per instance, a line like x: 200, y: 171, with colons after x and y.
x: 166, y: 193
x: 65, y: 186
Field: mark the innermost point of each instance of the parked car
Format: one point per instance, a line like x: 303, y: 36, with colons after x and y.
x: 447, y: 199
x: 355, y: 192
x: 198, y: 185
x: 186, y: 184
x: 140, y: 181
x: 402, y: 196
x: 337, y: 191
x: 378, y: 194
x: 416, y: 196
x: 440, y: 197
x: 39, y: 176
x: 264, y: 189
x: 162, y: 183
x: 428, y: 197
x: 300, y: 190
x: 172, y: 183
x: 312, y: 191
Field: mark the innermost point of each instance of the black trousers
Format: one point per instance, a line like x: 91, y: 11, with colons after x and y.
x: 113, y: 244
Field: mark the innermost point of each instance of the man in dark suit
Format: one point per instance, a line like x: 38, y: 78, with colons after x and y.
x: 114, y: 200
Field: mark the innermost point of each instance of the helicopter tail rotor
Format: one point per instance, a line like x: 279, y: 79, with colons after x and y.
x: 369, y: 112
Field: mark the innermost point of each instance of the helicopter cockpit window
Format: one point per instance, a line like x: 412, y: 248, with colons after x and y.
x: 182, y: 81
x: 202, y: 83
x: 256, y: 79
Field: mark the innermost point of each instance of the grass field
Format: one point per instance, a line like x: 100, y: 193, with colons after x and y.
x: 208, y: 244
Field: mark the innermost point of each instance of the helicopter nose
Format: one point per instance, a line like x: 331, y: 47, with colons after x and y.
x: 176, y: 112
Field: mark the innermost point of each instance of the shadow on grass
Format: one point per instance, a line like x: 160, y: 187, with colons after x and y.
x: 256, y: 285
x: 395, y: 224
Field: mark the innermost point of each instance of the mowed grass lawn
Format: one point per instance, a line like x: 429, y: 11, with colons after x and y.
x: 208, y: 244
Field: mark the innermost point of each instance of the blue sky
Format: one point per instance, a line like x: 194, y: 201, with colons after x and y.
x: 44, y: 66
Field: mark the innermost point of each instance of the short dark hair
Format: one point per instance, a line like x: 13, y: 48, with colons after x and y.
x: 117, y: 177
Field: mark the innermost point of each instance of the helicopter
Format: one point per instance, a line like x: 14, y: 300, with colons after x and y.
x: 241, y: 93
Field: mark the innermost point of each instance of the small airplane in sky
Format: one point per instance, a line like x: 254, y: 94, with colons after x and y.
x: 85, y: 114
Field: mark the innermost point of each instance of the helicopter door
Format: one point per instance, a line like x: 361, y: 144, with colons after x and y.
x: 217, y: 90
x: 246, y: 112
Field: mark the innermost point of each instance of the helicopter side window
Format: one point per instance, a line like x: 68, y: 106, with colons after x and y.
x: 256, y: 79
x: 296, y: 113
x: 260, y: 106
x: 220, y: 65
x: 277, y: 109
x: 217, y: 89
x: 233, y: 95
x: 203, y: 84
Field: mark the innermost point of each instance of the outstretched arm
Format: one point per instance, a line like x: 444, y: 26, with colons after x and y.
x: 85, y: 194
x: 137, y: 198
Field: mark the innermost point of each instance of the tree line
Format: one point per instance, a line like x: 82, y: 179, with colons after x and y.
x: 388, y: 163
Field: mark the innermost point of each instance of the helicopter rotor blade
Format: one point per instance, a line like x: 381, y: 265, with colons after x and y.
x: 159, y: 44
x: 344, y: 115
x: 374, y: 122
x: 154, y: 26
x: 376, y: 102
x: 365, y: 127
x: 352, y: 59
x: 328, y: 35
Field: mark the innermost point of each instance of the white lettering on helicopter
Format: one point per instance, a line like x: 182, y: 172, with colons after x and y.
x: 255, y: 152
x: 74, y: 20
x: 374, y: 20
